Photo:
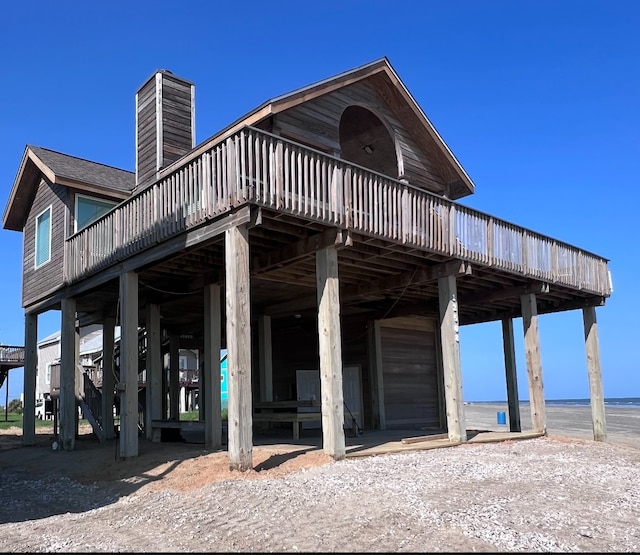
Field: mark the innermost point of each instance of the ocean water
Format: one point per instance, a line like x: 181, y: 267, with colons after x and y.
x: 618, y: 402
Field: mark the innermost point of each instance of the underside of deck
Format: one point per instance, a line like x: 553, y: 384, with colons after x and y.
x: 378, y: 279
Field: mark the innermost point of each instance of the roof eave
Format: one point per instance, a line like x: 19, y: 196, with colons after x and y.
x: 461, y: 187
x: 465, y: 185
x: 14, y: 216
x: 15, y: 213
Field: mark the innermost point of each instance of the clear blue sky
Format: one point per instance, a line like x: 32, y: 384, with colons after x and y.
x: 539, y: 101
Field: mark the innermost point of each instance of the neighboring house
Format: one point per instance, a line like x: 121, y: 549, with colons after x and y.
x: 91, y: 351
x: 318, y: 238
x: 48, y: 375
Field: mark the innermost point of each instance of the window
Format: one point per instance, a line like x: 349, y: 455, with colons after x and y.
x: 43, y: 237
x: 47, y: 378
x: 183, y: 362
x: 89, y: 209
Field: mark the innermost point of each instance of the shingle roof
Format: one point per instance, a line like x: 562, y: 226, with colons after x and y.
x: 78, y: 169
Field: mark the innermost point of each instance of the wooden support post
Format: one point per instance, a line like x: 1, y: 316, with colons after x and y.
x: 128, y: 384
x: 211, y: 371
x: 265, y: 358
x: 442, y: 401
x: 238, y: 302
x: 377, y: 381
x: 108, y: 376
x: 510, y: 370
x: 330, y: 347
x: 30, y: 372
x: 174, y: 376
x: 534, y: 363
x: 592, y: 347
x: 153, y: 391
x: 68, y: 361
x: 450, y: 340
x: 79, y: 381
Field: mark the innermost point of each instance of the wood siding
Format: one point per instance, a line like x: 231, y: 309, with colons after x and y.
x: 38, y: 282
x: 147, y: 137
x: 160, y: 147
x: 409, y: 371
x: 317, y: 124
x: 177, y: 130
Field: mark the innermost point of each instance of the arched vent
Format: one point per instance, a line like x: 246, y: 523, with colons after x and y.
x: 364, y: 140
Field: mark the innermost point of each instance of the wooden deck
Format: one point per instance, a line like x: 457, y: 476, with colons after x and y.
x: 10, y: 357
x: 253, y: 167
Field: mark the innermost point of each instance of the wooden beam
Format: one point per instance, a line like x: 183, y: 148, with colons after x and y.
x: 511, y: 376
x: 108, y: 376
x: 265, y: 362
x: 30, y: 374
x: 201, y: 236
x: 544, y: 307
x: 68, y: 361
x: 210, y: 384
x: 450, y: 340
x: 238, y: 301
x: 505, y: 293
x: 154, y: 368
x: 174, y: 376
x: 592, y: 346
x: 128, y: 385
x: 377, y: 383
x: 349, y: 293
x: 534, y: 363
x: 330, y: 348
x: 338, y: 238
x: 417, y: 277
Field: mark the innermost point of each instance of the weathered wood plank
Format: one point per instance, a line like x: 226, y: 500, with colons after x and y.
x: 592, y: 346
x: 330, y: 342
x: 68, y: 361
x: 265, y: 358
x: 450, y: 340
x: 128, y: 385
x: 511, y: 376
x: 240, y: 443
x: 210, y: 384
x: 30, y: 374
x: 534, y: 362
x: 154, y: 367
x: 108, y: 376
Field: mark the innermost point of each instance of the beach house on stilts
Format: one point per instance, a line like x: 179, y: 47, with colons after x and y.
x: 319, y: 239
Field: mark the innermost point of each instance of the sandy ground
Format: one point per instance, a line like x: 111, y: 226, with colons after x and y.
x: 559, y: 493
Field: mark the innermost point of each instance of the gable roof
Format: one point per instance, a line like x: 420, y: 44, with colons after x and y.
x: 383, y: 78
x: 61, y: 169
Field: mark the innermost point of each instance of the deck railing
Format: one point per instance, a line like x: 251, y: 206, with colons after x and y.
x: 256, y: 167
x: 11, y: 354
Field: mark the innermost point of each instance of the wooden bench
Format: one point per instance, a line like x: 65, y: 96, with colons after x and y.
x: 297, y: 418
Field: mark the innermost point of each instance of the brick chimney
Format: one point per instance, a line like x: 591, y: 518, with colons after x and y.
x: 165, y: 123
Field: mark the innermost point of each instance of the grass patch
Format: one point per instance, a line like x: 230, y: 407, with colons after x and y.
x: 195, y: 415
x: 14, y: 420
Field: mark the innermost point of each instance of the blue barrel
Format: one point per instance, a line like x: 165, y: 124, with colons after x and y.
x: 502, y: 418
